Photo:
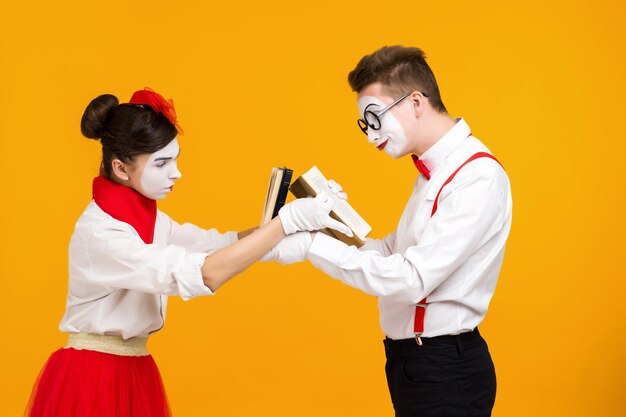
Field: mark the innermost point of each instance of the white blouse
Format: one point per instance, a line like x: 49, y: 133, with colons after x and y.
x: 118, y: 285
x: 454, y: 257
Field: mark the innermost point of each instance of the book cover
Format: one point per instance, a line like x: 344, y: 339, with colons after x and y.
x: 283, y: 190
x: 313, y: 182
x: 277, y: 190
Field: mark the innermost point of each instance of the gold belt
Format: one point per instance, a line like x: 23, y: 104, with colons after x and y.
x: 115, y: 345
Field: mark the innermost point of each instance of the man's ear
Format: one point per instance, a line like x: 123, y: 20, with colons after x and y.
x: 120, y: 170
x: 418, y: 101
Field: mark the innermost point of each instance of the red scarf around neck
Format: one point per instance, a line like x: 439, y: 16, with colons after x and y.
x: 126, y: 205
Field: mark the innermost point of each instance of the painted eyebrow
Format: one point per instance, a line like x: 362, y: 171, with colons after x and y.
x: 166, y: 158
x: 373, y: 104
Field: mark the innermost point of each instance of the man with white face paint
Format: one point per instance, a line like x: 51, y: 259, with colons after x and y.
x: 389, y: 136
x: 436, y: 273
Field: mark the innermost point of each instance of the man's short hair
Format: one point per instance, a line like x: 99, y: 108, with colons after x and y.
x: 400, y: 70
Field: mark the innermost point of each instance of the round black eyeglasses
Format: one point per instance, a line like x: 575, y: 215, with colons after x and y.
x: 371, y: 118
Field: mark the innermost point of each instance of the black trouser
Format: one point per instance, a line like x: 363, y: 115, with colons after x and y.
x: 447, y: 376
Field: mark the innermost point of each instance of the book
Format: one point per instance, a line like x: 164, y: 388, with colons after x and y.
x: 276, y: 193
x: 312, y: 183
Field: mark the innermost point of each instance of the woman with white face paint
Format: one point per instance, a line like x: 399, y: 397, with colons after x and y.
x: 126, y: 257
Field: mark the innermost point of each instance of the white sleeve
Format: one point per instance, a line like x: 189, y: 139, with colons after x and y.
x: 118, y: 258
x: 383, y: 246
x: 467, y: 217
x: 196, y: 239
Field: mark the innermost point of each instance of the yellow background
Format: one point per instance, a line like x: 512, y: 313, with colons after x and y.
x: 262, y: 84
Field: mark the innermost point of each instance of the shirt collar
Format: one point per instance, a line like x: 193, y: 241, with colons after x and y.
x: 126, y: 205
x: 436, y: 154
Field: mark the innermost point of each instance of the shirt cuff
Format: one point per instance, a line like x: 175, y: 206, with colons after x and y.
x: 327, y: 248
x: 189, y: 277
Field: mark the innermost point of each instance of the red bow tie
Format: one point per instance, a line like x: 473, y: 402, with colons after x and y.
x: 420, y: 166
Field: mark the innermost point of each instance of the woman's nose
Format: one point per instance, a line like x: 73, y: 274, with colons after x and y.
x: 175, y: 174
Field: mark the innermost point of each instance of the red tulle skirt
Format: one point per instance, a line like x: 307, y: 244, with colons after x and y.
x: 85, y: 383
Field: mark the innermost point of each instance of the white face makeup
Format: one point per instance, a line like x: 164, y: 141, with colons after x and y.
x: 390, y: 137
x: 160, y: 172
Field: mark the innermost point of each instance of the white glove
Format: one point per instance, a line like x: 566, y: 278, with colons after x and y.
x: 337, y: 189
x: 310, y: 214
x: 294, y: 248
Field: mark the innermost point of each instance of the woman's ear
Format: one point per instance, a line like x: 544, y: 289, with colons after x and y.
x: 120, y: 170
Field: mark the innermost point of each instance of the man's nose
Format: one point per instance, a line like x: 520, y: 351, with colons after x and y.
x: 373, y: 136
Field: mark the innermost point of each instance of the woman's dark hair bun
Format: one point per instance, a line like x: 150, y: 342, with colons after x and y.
x: 93, y: 123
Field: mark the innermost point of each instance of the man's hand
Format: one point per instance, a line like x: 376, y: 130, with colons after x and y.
x: 310, y: 214
x: 337, y: 189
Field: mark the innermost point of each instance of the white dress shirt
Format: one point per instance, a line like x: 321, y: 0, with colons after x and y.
x: 118, y: 285
x: 454, y: 257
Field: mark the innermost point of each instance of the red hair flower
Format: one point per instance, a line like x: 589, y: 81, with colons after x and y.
x: 154, y: 100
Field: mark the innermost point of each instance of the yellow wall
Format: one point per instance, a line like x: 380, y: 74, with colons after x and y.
x: 260, y: 84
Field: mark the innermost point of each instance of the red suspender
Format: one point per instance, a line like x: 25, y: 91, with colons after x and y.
x: 420, y: 308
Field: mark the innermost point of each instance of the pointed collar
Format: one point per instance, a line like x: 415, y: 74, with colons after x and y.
x: 435, y: 156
